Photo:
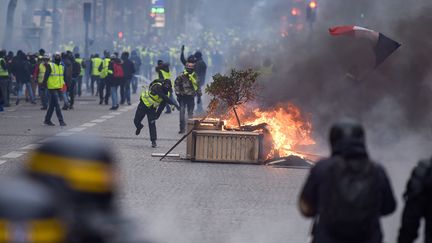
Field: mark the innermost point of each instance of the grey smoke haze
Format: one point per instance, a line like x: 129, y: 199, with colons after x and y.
x: 312, y: 70
x: 393, y: 102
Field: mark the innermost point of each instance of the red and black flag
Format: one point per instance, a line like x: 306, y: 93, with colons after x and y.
x: 383, y: 46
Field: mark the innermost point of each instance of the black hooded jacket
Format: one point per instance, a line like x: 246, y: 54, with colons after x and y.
x: 316, y: 189
x: 21, y: 68
x: 418, y: 204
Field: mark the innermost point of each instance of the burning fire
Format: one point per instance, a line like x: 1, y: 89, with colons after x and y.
x: 285, y: 123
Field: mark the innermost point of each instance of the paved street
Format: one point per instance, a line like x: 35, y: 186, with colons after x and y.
x: 180, y: 201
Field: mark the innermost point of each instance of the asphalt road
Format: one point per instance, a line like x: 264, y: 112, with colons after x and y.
x: 181, y: 201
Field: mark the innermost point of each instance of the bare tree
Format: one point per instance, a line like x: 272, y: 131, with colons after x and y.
x: 235, y: 89
x: 8, y: 34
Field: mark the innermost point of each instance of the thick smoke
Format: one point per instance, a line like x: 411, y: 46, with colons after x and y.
x: 332, y: 77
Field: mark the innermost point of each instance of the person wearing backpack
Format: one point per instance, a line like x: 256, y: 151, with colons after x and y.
x: 129, y: 71
x: 115, y: 79
x: 418, y: 204
x: 347, y: 193
x: 72, y: 88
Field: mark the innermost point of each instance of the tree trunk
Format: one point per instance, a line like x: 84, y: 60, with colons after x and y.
x: 8, y: 34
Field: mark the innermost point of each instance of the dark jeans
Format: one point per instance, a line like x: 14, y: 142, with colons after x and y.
x: 54, y: 104
x: 4, y: 86
x: 140, y: 113
x: 186, y: 102
x: 43, y: 93
x: 103, y: 84
x: 134, y: 84
x: 125, y: 93
x: 72, y: 91
x: 94, y: 79
x: 114, y: 95
x: 79, y: 83
x: 29, y: 89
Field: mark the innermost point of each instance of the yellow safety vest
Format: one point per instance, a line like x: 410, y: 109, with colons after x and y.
x: 193, y: 79
x: 80, y: 61
x: 166, y: 75
x: 42, y: 71
x: 3, y: 72
x: 96, y: 62
x: 151, y: 100
x: 56, y: 78
x: 104, y: 72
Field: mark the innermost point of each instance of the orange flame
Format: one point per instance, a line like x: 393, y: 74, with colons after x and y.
x: 287, y: 126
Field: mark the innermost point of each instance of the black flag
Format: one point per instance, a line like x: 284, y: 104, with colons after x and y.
x: 384, y: 48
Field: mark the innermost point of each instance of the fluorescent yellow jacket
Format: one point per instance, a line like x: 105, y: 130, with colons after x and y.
x: 96, y: 62
x: 105, y: 63
x: 80, y: 61
x: 56, y: 78
x: 151, y: 100
x: 41, y: 74
x: 3, y: 72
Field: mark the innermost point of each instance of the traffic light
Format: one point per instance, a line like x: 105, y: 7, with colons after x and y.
x: 311, y: 10
x: 295, y: 11
x: 120, y: 35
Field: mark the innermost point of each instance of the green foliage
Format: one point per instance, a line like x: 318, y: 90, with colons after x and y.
x: 235, y: 89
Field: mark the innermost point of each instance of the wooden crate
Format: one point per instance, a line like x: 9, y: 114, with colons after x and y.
x: 195, y: 124
x: 228, y: 147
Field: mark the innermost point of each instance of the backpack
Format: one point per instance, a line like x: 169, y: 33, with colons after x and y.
x: 421, y: 178
x: 118, y: 70
x: 353, y: 201
x: 76, y: 69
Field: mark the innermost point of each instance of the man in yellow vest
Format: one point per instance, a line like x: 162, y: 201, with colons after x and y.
x: 152, y: 103
x: 54, y: 81
x: 40, y: 76
x: 4, y: 81
x: 104, y: 79
x: 96, y: 62
x: 163, y: 71
x: 186, y: 88
x: 81, y: 62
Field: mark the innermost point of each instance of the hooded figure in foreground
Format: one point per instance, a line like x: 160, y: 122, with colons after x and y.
x: 347, y: 193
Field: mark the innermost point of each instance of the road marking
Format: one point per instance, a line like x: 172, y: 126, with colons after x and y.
x: 88, y: 124
x: 17, y: 154
x: 77, y: 129
x: 99, y: 120
x: 64, y: 134
x: 29, y: 147
x: 12, y: 155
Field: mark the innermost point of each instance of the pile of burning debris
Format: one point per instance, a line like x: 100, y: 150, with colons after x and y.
x: 272, y: 136
x: 243, y: 134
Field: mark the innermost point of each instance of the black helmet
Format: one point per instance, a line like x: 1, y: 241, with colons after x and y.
x: 29, y: 212
x: 347, y: 138
x: 81, y: 167
x: 198, y: 55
